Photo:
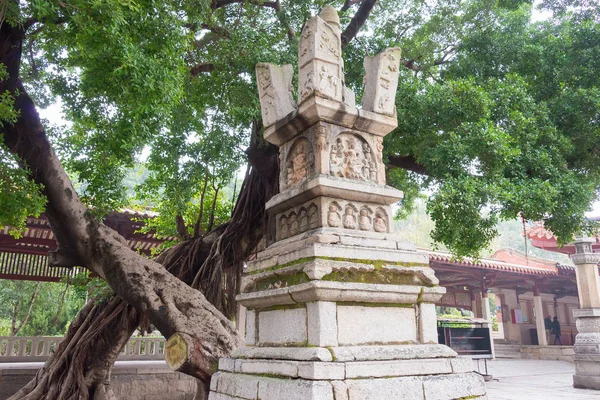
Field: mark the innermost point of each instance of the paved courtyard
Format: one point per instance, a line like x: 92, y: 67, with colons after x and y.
x: 534, y: 380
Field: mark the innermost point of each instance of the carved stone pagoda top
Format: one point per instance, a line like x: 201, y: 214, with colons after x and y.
x: 322, y: 93
x: 332, y: 174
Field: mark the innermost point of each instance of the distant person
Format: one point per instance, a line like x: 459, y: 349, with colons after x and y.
x: 548, y: 327
x: 555, y: 330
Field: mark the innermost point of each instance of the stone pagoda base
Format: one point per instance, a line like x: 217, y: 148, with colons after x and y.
x: 358, y: 373
x: 338, y: 308
x: 587, y: 349
x: 324, y: 321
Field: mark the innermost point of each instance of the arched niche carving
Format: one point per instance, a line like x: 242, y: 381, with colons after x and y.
x: 381, y: 221
x: 351, y: 157
x: 299, y: 162
x: 350, y: 214
x: 365, y: 220
x: 313, y: 216
x: 284, y: 227
x: 334, y: 218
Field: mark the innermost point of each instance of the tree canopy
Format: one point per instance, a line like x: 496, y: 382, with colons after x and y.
x: 497, y: 115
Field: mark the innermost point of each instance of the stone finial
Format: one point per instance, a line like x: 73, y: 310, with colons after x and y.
x: 330, y: 15
x: 381, y: 82
x: 275, y: 91
x: 320, y: 64
x: 584, y: 253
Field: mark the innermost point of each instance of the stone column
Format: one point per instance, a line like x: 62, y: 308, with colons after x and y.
x: 339, y: 307
x: 539, y: 317
x: 587, y: 341
x: 487, y: 315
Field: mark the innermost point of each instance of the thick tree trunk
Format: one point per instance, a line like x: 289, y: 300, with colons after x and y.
x: 184, y: 260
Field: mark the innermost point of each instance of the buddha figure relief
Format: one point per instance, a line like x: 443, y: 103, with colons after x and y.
x: 284, y: 229
x: 380, y: 224
x: 364, y: 222
x: 293, y: 224
x: 349, y: 218
x: 303, y: 220
x: 333, y: 216
x: 300, y: 162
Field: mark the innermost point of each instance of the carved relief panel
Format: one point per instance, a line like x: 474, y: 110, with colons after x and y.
x: 327, y: 212
x: 298, y: 164
x: 297, y: 220
x: 321, y: 68
x: 275, y: 91
x: 356, y: 216
x: 351, y: 157
x: 381, y: 81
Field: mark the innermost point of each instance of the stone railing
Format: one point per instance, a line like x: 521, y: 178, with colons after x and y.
x: 30, y: 349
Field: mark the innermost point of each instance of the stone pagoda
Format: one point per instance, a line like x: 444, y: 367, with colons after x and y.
x: 338, y: 307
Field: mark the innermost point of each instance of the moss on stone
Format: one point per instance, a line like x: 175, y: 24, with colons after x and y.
x: 279, y: 281
x: 377, y: 276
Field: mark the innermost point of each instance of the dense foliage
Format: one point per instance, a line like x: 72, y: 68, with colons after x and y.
x: 54, y: 306
x: 497, y: 115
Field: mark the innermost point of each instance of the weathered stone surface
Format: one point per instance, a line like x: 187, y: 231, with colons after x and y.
x: 446, y: 387
x: 221, y: 396
x: 378, y: 369
x: 328, y: 235
x: 315, y: 109
x: 250, y: 327
x: 321, y: 371
x: 410, y: 388
x: 427, y: 323
x: 461, y: 365
x: 322, y: 323
x: 226, y: 364
x: 399, y: 352
x: 282, y: 326
x: 268, y: 367
x: 284, y: 353
x: 333, y: 187
x: 275, y: 91
x: 279, y: 389
x: 320, y: 63
x: 348, y: 253
x: 340, y: 390
x: 381, y: 82
x: 359, y: 325
x: 237, y: 385
x: 341, y: 292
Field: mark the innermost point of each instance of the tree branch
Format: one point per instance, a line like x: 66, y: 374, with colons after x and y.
x: 182, y: 230
x: 200, y: 68
x: 357, y: 21
x: 199, y: 219
x: 407, y: 162
x: 349, y: 3
x: 444, y: 59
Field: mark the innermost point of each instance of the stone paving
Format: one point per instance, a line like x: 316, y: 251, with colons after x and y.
x: 534, y: 380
